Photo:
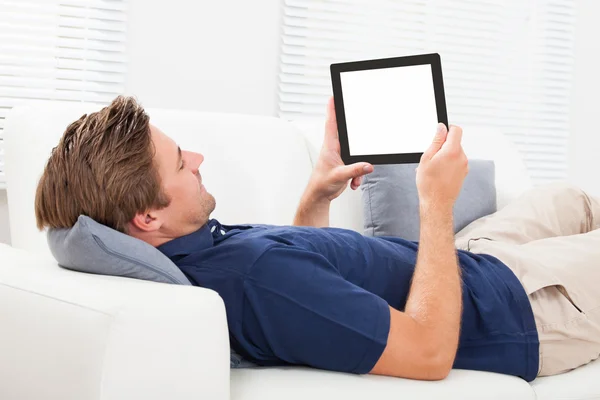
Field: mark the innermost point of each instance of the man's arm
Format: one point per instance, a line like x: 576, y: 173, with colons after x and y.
x: 329, y: 178
x: 312, y: 211
x: 423, y: 340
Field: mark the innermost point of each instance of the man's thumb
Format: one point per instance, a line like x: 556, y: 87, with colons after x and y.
x: 438, y: 140
x: 330, y: 122
x: 356, y: 170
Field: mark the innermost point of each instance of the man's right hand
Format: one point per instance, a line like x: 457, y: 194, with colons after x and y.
x: 442, y: 169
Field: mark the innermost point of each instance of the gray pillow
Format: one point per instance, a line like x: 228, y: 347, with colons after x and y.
x: 391, y: 203
x: 95, y: 248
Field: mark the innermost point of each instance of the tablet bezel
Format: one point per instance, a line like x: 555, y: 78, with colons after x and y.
x: 440, y: 101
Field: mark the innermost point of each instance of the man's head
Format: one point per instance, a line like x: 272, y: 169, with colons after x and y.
x: 118, y: 169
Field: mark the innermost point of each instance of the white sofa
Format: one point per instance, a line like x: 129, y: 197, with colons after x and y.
x: 68, y: 335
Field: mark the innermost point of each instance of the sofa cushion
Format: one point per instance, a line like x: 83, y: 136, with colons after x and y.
x: 95, y: 248
x: 579, y: 384
x: 299, y: 383
x: 391, y: 201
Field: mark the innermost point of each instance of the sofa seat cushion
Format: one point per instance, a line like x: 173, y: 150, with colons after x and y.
x: 297, y: 383
x: 580, y: 384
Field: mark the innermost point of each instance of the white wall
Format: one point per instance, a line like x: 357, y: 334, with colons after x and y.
x: 205, y: 55
x: 584, y: 160
x: 223, y: 56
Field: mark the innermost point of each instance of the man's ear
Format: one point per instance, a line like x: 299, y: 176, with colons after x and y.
x: 146, y: 222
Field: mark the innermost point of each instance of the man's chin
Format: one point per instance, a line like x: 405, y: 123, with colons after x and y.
x: 208, y: 203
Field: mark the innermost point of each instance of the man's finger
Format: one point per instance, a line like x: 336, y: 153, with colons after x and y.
x: 331, y: 132
x: 438, y: 141
x: 356, y: 182
x: 454, y: 137
x: 355, y: 170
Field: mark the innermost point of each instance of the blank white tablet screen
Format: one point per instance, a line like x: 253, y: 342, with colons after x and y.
x: 389, y: 110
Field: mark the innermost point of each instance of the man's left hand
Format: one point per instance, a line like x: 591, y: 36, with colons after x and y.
x: 330, y: 175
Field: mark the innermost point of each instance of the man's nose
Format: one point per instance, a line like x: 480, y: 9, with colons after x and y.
x: 195, y: 159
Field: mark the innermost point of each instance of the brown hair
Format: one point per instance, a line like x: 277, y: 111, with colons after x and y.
x: 102, y: 167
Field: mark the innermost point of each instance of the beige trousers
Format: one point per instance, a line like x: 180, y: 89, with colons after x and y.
x: 550, y: 239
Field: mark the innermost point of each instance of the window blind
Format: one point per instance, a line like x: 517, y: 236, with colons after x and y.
x: 66, y: 50
x: 507, y: 64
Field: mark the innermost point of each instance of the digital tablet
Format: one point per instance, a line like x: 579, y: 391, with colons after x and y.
x: 387, y: 110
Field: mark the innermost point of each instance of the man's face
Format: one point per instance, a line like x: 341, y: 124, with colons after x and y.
x: 190, y: 204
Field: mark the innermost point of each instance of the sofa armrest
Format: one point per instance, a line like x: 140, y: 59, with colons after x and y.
x: 76, y: 336
x: 171, y: 342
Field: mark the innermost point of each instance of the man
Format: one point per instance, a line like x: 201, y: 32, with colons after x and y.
x: 520, y: 296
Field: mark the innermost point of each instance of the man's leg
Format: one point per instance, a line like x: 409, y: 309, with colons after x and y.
x: 567, y: 315
x: 568, y: 338
x: 554, y: 210
x: 550, y: 239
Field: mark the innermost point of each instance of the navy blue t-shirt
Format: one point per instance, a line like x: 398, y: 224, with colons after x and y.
x: 320, y: 296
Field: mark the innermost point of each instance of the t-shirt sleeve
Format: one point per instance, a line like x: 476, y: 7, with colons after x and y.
x: 299, y: 309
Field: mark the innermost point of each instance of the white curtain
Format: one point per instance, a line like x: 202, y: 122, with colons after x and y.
x: 507, y: 64
x: 67, y: 50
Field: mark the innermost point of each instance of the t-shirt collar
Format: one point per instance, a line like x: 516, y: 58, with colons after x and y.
x: 201, y: 239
